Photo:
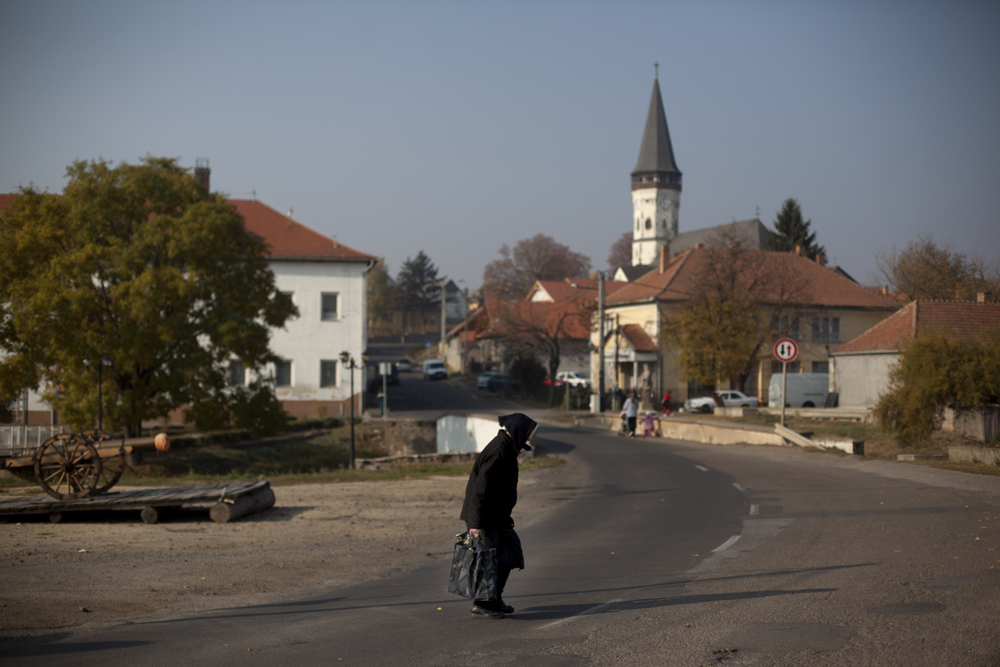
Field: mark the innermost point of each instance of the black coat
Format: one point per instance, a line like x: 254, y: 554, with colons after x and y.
x: 491, y: 493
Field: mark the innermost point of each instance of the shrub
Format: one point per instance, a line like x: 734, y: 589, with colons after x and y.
x: 936, y: 372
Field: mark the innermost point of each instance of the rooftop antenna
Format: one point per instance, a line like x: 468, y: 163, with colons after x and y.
x: 656, y: 70
x: 290, y: 211
x: 253, y: 193
x: 758, y: 212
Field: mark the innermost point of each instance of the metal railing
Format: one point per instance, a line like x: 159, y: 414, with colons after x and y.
x: 20, y: 440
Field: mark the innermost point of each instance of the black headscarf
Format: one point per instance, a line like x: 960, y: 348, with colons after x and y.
x: 520, y: 427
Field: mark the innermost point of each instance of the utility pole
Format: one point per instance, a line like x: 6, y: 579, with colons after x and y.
x: 600, y: 341
x: 444, y: 317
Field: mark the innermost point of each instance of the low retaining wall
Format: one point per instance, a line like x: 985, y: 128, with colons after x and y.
x: 974, y: 455
x: 465, y: 433
x: 983, y: 423
x: 403, y: 436
x: 682, y: 428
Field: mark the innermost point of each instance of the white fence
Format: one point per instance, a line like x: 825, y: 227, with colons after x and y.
x: 20, y: 440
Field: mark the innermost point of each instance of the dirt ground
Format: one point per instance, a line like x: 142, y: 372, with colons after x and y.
x: 110, y: 567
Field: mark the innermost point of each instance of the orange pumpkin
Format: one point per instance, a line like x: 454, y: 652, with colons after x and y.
x: 162, y: 442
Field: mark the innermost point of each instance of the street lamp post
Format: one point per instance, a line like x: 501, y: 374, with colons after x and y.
x: 102, y: 362
x: 348, y: 361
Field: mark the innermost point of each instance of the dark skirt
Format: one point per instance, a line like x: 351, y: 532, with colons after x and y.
x: 508, y: 546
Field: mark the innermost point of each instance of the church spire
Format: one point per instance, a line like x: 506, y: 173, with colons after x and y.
x: 656, y: 166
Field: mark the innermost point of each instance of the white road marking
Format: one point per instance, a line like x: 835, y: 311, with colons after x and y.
x: 725, y: 545
x: 702, y: 468
x: 592, y: 610
x: 739, y: 487
x: 754, y: 510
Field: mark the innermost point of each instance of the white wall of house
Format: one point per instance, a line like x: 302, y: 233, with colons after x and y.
x: 465, y: 433
x: 308, y: 340
x: 861, y: 378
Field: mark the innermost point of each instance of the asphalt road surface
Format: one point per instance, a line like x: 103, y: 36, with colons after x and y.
x: 669, y: 554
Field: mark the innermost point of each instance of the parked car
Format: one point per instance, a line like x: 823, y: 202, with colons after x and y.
x: 700, y: 404
x: 730, y: 398
x: 500, y: 380
x: 435, y: 370
x: 483, y: 381
x: 572, y: 379
x: 737, y: 399
x: 805, y: 390
x: 404, y: 365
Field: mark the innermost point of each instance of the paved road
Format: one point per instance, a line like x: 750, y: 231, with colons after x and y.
x: 669, y: 554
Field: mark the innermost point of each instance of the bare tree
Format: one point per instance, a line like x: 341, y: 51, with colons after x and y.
x: 544, y: 329
x: 739, y: 300
x: 926, y: 270
x: 538, y: 258
x: 621, y: 252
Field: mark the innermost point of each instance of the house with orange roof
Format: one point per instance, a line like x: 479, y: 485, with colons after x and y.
x: 820, y: 308
x: 327, y: 281
x: 859, y: 369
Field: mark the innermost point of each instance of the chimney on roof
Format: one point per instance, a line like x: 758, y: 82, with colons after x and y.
x: 202, y: 172
x: 821, y: 260
x: 885, y: 290
x: 664, y: 257
x: 984, y: 297
x: 699, y: 245
x: 800, y: 251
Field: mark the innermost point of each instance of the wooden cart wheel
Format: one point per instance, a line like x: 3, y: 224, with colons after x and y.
x: 67, y: 466
x: 112, y: 467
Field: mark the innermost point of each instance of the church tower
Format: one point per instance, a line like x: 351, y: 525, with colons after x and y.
x: 656, y: 187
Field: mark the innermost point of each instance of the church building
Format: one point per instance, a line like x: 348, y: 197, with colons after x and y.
x: 656, y: 200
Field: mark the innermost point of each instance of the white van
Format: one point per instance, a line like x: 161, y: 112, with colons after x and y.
x: 435, y: 370
x: 805, y: 390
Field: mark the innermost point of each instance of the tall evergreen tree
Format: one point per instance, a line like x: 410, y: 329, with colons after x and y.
x: 417, y: 278
x: 791, y: 231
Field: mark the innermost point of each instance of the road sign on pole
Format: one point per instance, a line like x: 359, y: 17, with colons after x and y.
x: 786, y: 351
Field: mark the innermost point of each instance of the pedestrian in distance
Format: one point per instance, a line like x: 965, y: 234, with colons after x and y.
x: 647, y: 424
x: 631, y: 411
x: 666, y: 404
x: 490, y: 496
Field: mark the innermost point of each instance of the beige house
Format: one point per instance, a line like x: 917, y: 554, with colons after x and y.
x: 810, y: 302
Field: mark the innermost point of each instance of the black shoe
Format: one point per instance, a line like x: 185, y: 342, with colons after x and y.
x: 504, y: 607
x: 486, y: 612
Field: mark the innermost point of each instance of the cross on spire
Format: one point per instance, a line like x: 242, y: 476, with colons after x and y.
x: 656, y: 70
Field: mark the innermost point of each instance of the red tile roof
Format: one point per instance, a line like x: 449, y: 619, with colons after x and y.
x: 570, y: 288
x: 638, y: 338
x: 688, y: 274
x: 567, y: 318
x: 286, y: 239
x: 961, y: 319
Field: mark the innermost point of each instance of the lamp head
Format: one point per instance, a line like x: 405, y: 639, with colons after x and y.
x: 106, y: 361
x: 345, y: 357
x: 86, y: 362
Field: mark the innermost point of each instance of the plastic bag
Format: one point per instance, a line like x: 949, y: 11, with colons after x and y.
x: 473, y: 568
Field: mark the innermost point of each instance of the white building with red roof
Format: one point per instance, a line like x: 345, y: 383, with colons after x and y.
x: 859, y: 369
x: 328, y: 282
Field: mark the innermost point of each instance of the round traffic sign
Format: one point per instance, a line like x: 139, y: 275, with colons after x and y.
x: 786, y: 350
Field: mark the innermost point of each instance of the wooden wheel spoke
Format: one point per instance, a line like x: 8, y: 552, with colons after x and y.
x: 57, y: 471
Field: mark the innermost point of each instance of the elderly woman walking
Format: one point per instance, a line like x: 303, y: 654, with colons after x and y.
x: 490, y: 497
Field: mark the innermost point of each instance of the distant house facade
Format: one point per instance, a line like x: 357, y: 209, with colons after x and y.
x: 327, y: 281
x: 826, y: 310
x: 860, y: 368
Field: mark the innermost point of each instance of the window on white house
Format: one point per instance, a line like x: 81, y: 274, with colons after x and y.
x: 330, y: 303
x: 328, y: 373
x: 826, y: 329
x: 237, y: 374
x: 283, y: 374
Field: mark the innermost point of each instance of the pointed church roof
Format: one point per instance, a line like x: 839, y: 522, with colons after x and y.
x: 656, y: 152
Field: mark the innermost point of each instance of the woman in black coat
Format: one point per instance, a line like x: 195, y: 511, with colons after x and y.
x: 490, y: 497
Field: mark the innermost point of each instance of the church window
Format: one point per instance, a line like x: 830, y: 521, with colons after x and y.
x: 649, y: 223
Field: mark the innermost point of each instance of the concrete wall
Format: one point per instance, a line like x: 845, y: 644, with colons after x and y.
x: 677, y: 429
x: 465, y: 433
x: 861, y: 378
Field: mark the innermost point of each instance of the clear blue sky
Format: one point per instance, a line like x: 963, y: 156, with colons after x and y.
x: 453, y: 127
